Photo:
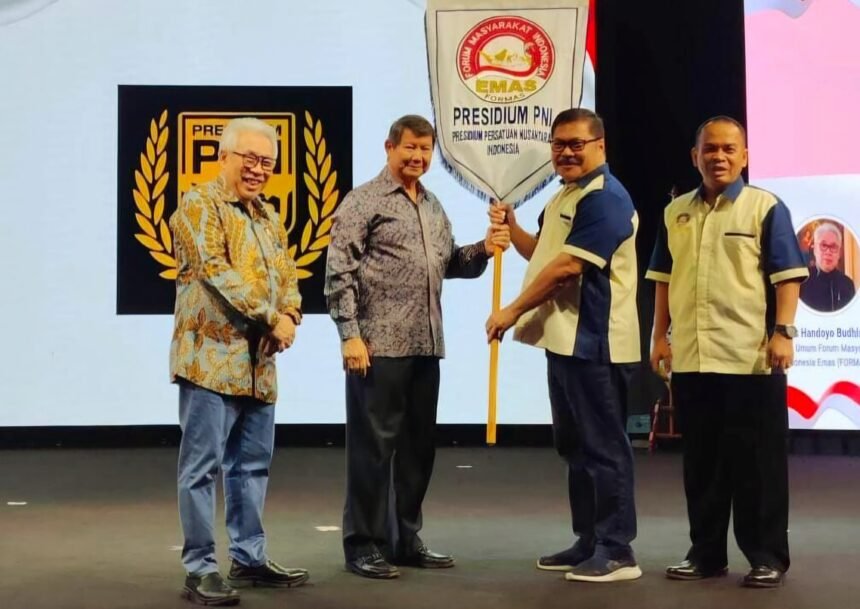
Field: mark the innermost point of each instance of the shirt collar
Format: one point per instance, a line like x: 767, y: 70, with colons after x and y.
x: 390, y: 185
x: 731, y: 193
x: 228, y: 196
x: 585, y: 180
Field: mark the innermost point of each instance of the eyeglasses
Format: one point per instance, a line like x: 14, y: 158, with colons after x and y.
x: 575, y: 145
x: 250, y: 160
x: 829, y: 247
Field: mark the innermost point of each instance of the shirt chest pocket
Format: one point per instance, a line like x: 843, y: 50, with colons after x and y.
x: 742, y: 248
x: 566, y: 211
x: 563, y: 221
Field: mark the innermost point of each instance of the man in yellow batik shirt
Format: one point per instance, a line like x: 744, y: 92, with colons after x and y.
x: 237, y: 305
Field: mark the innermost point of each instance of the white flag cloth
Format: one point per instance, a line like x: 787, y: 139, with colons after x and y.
x: 500, y: 70
x: 792, y: 8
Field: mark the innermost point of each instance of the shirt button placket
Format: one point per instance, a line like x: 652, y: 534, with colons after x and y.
x: 703, y: 285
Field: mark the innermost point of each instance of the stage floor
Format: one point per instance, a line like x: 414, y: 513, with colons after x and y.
x: 100, y: 529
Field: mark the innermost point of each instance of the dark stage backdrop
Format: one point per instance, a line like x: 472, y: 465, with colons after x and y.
x: 663, y: 69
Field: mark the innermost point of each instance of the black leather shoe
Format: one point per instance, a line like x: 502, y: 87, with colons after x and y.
x: 425, y: 559
x: 689, y: 570
x: 268, y: 575
x: 763, y: 577
x: 373, y: 566
x: 209, y: 590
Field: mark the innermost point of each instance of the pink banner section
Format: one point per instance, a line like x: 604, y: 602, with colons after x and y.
x: 803, y: 90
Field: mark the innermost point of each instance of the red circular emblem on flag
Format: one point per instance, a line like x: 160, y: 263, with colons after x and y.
x: 505, y: 59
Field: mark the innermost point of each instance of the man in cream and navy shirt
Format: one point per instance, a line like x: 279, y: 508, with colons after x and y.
x: 579, y: 304
x: 728, y: 268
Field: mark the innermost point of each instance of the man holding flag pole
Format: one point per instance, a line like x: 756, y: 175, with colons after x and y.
x: 507, y: 84
x: 579, y: 304
x: 499, y: 72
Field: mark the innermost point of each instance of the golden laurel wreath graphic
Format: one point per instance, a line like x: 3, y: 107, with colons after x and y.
x: 151, y: 180
x: 320, y: 181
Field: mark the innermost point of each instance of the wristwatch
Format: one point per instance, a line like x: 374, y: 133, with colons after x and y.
x: 786, y: 331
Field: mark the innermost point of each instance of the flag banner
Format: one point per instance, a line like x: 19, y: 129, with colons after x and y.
x: 500, y: 70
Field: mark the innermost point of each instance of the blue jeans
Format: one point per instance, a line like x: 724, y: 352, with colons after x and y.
x: 235, y: 435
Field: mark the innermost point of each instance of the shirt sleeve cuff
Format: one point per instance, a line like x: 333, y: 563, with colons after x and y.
x: 584, y: 255
x: 658, y: 276
x: 789, y: 274
x: 348, y: 329
x: 293, y: 313
x: 478, y: 250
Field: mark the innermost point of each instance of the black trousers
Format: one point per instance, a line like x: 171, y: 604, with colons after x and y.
x: 589, y: 418
x: 735, y: 430
x: 390, y: 449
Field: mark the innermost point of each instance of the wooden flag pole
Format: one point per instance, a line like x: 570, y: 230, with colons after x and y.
x: 494, y: 349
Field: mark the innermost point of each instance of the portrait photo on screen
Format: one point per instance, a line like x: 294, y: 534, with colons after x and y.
x: 832, y: 252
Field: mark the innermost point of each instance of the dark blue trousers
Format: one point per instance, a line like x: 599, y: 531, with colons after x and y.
x: 589, y: 421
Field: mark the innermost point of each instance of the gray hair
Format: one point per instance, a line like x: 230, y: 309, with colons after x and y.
x: 827, y: 227
x: 237, y: 126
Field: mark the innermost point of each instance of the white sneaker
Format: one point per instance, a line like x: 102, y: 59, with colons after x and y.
x: 604, y: 571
